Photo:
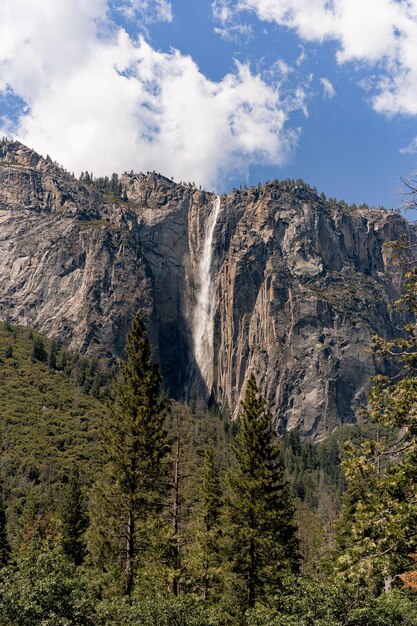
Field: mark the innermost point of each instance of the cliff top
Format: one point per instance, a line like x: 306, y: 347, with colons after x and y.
x: 153, y: 190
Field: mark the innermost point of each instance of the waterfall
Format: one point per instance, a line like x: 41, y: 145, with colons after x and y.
x: 203, y: 319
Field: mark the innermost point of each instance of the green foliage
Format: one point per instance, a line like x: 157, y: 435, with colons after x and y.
x: 190, y: 566
x: 311, y: 603
x: 46, y: 592
x: 229, y: 545
x: 259, y: 512
x: 205, y: 553
x: 211, y: 491
x: 379, y: 522
x: 159, y: 609
x: 317, y: 482
x: 4, y: 540
x: 38, y: 351
x: 313, y: 468
x: 105, y: 185
x: 135, y: 445
x: 385, y: 610
x: 48, y: 424
x: 43, y: 587
x: 52, y: 356
x: 74, y: 519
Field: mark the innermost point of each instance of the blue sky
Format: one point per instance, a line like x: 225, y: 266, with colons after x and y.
x: 219, y: 92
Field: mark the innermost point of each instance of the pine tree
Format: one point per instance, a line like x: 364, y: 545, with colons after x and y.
x: 209, y: 535
x: 38, y: 350
x: 74, y: 519
x: 182, y: 497
x: 378, y: 529
x: 261, y: 533
x: 53, y: 353
x: 4, y: 542
x: 211, y: 491
x: 135, y: 446
x: 7, y: 324
x: 176, y: 548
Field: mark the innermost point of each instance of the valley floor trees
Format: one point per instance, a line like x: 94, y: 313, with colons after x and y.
x: 135, y: 447
x: 205, y: 535
x: 379, y: 519
x: 259, y: 512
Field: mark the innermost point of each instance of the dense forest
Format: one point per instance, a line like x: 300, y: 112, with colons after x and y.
x: 119, y: 506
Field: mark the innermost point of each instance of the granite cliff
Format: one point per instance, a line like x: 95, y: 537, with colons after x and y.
x: 273, y: 279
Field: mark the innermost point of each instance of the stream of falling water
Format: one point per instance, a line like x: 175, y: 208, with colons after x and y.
x: 203, y: 319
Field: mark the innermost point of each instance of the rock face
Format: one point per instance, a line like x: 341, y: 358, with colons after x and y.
x: 297, y: 285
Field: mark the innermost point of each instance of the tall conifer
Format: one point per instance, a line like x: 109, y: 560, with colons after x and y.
x: 74, y: 519
x: 261, y: 532
x: 4, y: 542
x: 378, y: 526
x: 204, y: 558
x: 135, y: 445
x: 211, y: 511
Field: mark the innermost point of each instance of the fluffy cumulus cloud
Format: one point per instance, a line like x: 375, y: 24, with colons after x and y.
x: 381, y: 34
x: 97, y: 99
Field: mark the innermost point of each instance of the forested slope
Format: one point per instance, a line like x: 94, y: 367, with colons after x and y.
x: 64, y: 496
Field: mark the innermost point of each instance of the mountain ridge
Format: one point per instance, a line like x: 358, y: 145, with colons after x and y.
x: 298, y: 283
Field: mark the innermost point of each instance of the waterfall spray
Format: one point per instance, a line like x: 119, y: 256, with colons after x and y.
x: 203, y: 320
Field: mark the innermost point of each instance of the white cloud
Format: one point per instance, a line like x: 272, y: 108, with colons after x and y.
x: 101, y: 101
x: 411, y: 148
x: 301, y: 57
x: 146, y: 10
x: 234, y: 32
x: 222, y: 11
x: 381, y: 34
x: 279, y: 70
x: 229, y: 29
x: 329, y: 90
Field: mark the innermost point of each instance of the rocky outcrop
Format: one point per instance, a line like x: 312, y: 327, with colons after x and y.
x: 69, y: 265
x: 302, y: 286
x: 298, y: 284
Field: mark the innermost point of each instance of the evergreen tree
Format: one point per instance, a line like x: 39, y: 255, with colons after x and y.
x: 209, y: 535
x: 182, y: 496
x: 53, y: 353
x: 378, y: 529
x: 43, y: 587
x: 175, y: 544
x: 114, y: 184
x: 38, y: 351
x: 211, y: 491
x: 7, y: 324
x: 74, y: 519
x: 135, y: 445
x: 4, y: 542
x: 261, y: 532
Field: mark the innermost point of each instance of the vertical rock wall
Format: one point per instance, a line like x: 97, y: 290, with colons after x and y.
x: 300, y: 284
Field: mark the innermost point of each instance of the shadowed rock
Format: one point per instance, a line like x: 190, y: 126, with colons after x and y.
x: 300, y: 283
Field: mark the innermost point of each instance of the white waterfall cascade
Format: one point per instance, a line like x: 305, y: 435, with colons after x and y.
x: 203, y: 318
